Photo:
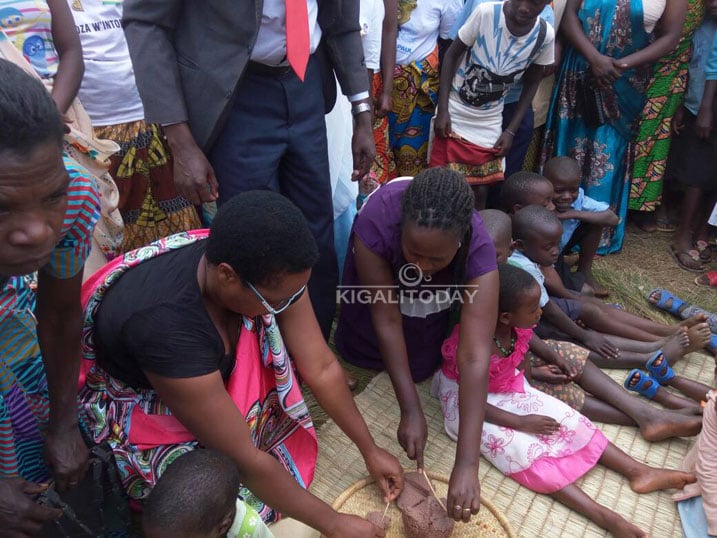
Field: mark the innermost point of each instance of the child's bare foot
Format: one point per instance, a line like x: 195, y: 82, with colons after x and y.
x: 648, y: 479
x: 699, y: 337
x: 619, y: 527
x: 674, y: 347
x: 668, y: 424
x: 693, y: 320
x: 598, y: 290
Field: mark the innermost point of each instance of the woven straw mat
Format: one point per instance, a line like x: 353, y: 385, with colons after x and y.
x: 531, y: 515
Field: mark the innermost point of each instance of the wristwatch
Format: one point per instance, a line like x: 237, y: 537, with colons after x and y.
x: 359, y: 108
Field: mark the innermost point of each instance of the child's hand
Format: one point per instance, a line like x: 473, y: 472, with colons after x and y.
x: 442, y: 124
x: 599, y: 344
x: 678, y: 121
x: 569, y: 369
x: 549, y: 373
x: 505, y: 140
x: 703, y: 124
x: 539, y: 424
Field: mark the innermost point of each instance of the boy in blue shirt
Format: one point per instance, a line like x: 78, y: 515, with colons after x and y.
x: 582, y: 217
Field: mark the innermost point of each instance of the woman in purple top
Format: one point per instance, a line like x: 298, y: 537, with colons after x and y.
x: 419, y: 251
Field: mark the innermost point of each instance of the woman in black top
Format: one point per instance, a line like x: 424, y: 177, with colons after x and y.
x: 188, y: 353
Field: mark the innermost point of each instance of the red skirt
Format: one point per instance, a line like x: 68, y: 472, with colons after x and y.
x: 479, y: 165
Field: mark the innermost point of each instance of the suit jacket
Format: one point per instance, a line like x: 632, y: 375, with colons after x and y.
x: 189, y: 55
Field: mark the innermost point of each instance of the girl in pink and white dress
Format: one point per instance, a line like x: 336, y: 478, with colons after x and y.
x: 530, y: 436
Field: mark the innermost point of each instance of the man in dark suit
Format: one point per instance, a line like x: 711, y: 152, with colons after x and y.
x: 240, y: 113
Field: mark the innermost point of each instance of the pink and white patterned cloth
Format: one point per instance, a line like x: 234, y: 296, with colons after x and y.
x: 542, y: 463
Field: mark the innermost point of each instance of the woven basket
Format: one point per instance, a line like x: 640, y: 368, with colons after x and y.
x: 363, y: 497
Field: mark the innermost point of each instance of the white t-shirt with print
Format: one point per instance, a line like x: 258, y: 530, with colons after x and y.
x: 429, y: 20
x: 108, y: 90
x: 495, y: 56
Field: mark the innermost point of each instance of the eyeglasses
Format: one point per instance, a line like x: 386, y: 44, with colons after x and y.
x: 283, y: 305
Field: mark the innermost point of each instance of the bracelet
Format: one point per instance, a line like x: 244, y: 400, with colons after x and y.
x: 511, y: 133
x: 359, y: 108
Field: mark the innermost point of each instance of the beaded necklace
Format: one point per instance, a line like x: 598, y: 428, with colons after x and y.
x: 505, y: 352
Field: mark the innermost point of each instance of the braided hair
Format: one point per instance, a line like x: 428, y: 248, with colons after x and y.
x: 440, y: 199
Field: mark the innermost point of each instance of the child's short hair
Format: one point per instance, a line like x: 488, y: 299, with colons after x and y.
x: 562, y: 167
x: 514, y: 283
x: 194, y: 495
x: 497, y: 224
x: 530, y: 218
x: 514, y: 189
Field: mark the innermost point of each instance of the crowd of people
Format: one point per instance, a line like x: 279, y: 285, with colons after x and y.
x: 183, y: 186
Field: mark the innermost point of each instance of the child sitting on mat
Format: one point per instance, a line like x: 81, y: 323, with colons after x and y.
x: 565, y: 371
x: 500, y: 43
x: 622, y: 339
x: 583, y: 218
x: 535, y: 439
x: 197, y: 496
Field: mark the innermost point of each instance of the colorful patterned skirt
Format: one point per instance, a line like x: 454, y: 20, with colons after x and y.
x: 479, y: 165
x: 149, y: 203
x: 24, y: 400
x: 415, y: 94
x: 664, y: 96
x: 144, y: 436
x: 384, y: 165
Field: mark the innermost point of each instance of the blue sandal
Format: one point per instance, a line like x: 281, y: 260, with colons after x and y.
x: 661, y: 303
x: 645, y: 386
x: 662, y: 373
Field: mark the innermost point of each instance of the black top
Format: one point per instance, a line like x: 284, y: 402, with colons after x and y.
x: 153, y: 318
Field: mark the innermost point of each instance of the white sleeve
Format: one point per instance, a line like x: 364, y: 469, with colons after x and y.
x: 371, y: 30
x: 468, y: 33
x: 452, y: 9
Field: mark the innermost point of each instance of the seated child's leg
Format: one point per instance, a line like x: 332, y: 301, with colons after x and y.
x: 589, y: 243
x: 481, y: 195
x: 643, y: 478
x: 576, y: 499
x: 640, y: 381
x: 597, y: 318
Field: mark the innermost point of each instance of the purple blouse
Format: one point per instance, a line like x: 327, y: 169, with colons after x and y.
x: 425, y: 305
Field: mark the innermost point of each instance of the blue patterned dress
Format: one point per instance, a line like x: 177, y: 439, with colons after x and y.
x: 616, y: 29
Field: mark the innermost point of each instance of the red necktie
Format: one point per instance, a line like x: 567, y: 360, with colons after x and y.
x: 297, y: 36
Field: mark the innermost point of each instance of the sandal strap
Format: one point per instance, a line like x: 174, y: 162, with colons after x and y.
x: 662, y: 373
x: 642, y: 385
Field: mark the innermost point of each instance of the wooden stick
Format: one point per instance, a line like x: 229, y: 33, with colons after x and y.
x: 433, y: 490
x: 384, y: 513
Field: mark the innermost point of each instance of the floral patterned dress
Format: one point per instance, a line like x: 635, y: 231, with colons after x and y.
x: 542, y: 463
x: 597, y: 126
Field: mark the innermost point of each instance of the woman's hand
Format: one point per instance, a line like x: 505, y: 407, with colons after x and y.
x: 412, y: 435
x: 66, y: 455
x: 20, y: 516
x: 350, y: 526
x: 538, y: 424
x: 442, y: 124
x: 463, y: 493
x: 386, y: 471
x: 604, y: 70
x: 383, y: 104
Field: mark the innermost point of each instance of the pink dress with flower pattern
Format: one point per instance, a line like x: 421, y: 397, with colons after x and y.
x: 542, y: 463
